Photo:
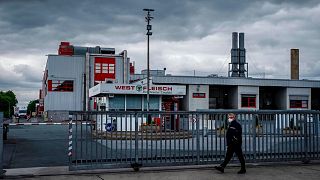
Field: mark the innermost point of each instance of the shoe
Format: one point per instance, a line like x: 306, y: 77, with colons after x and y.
x: 242, y: 171
x: 219, y: 168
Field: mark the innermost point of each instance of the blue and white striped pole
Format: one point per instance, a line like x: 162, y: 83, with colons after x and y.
x: 70, y: 140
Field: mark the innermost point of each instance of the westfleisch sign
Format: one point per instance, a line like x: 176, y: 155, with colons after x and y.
x: 137, y: 89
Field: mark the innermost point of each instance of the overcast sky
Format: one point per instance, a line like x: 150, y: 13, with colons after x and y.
x: 187, y: 36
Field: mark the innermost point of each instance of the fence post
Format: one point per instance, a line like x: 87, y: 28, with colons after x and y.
x: 198, y: 137
x: 1, y: 146
x: 306, y: 159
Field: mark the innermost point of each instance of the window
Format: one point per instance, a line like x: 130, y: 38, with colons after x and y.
x: 199, y: 95
x: 59, y: 85
x: 248, y: 101
x: 299, y: 104
x: 104, y: 68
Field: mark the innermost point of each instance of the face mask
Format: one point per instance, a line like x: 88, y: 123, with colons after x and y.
x: 230, y: 119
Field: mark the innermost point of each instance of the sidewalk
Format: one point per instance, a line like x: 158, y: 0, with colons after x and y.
x: 269, y: 172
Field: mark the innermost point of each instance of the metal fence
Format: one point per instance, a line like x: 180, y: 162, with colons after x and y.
x: 135, y: 139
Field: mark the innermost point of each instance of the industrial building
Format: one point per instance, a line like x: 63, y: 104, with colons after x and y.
x: 95, y: 78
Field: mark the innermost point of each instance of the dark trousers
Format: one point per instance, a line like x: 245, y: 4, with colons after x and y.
x: 231, y: 149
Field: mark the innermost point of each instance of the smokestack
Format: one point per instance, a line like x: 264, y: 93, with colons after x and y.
x: 242, y: 56
x: 234, y: 55
x: 235, y: 40
x: 241, y: 40
x: 295, y: 64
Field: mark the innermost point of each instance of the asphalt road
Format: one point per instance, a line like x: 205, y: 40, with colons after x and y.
x: 36, y: 146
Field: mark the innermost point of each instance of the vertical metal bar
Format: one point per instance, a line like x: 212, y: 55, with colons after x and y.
x: 275, y: 135
x: 317, y: 133
x: 143, y: 137
x: 174, y: 136
x: 147, y: 132
x: 211, y: 139
x: 198, y: 139
x: 111, y: 138
x: 151, y: 138
x: 76, y: 141
x: 270, y: 136
x: 126, y: 138
x: 180, y: 136
x: 130, y: 139
x: 100, y: 136
x: 116, y: 137
x: 81, y: 139
x: 305, y: 139
x: 207, y: 137
x: 165, y: 139
x: 136, y: 138
x: 184, y: 139
x: 222, y: 134
x: 244, y: 139
x: 162, y: 127
x: 94, y: 160
x: 216, y: 118
x: 121, y: 135
x: 189, y: 121
x: 278, y: 128
x: 285, y: 137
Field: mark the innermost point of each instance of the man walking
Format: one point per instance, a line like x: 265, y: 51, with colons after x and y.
x: 234, y: 143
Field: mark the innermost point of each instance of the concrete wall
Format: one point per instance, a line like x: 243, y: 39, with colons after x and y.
x: 248, y: 90
x: 65, y: 68
x: 298, y: 92
x: 197, y: 103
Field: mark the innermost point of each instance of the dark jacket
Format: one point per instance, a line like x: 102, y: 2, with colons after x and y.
x: 234, y: 133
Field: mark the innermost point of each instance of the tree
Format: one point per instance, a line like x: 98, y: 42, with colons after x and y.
x: 7, y: 101
x: 32, y: 106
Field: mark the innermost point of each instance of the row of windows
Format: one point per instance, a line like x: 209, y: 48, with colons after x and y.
x: 199, y: 95
x: 60, y: 85
x: 248, y: 101
x: 298, y: 103
x: 104, y: 68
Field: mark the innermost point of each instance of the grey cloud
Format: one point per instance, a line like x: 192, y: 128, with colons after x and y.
x: 37, y: 26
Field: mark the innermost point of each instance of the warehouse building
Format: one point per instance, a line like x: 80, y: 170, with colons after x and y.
x: 94, y: 78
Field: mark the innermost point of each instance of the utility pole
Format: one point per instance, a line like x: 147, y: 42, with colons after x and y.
x: 149, y: 33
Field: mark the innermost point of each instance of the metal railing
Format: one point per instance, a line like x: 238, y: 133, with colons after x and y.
x: 128, y: 139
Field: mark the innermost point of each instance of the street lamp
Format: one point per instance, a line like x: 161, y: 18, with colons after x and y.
x: 149, y: 33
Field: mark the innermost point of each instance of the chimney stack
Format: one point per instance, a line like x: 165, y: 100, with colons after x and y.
x: 295, y: 64
x: 237, y: 67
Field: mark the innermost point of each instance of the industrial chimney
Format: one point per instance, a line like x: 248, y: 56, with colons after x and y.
x: 238, y: 57
x: 242, y: 56
x: 234, y: 55
x: 295, y: 64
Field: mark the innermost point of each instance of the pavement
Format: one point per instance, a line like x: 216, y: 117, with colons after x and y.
x: 261, y: 172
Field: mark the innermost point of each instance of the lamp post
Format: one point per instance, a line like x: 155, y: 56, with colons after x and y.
x: 149, y: 33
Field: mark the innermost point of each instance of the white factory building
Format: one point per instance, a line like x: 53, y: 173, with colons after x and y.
x: 95, y: 78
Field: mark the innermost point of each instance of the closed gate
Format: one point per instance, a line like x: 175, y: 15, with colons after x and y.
x: 135, y: 139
